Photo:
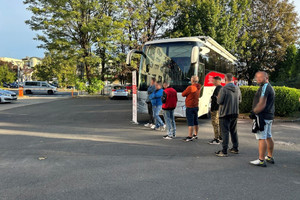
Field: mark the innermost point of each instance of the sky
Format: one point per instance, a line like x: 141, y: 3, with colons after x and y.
x: 16, y: 38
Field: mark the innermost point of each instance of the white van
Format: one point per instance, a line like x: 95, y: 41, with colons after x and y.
x: 31, y: 87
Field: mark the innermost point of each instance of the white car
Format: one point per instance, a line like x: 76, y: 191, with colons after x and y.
x: 7, y: 96
x: 31, y: 87
x: 118, y: 91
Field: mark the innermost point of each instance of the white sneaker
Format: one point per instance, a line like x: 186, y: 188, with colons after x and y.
x: 147, y: 125
x: 258, y: 163
x: 153, y: 127
x: 163, y: 128
x: 157, y: 129
x: 166, y: 137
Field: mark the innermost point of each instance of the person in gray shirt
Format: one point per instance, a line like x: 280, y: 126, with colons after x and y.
x: 150, y: 90
x: 229, y: 99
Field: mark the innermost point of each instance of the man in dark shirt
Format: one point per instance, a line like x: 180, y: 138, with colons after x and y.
x: 264, y: 107
x: 214, y: 110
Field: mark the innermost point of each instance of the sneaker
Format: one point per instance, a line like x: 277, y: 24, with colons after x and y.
x: 214, y: 141
x: 163, y: 128
x: 148, y: 125
x: 270, y: 159
x: 258, y: 163
x: 234, y: 151
x: 188, y: 139
x: 157, y: 129
x: 220, y: 138
x: 195, y: 137
x: 166, y: 137
x: 153, y: 127
x: 221, y: 154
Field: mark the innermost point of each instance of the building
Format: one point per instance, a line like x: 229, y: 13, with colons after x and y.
x: 25, y: 65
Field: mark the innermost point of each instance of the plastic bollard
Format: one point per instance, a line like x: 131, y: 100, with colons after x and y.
x: 21, y: 94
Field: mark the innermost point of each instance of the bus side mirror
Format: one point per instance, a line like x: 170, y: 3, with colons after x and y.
x: 195, y: 55
x: 129, y: 57
x: 130, y: 54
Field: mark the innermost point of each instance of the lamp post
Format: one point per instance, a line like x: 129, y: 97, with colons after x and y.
x: 19, y: 63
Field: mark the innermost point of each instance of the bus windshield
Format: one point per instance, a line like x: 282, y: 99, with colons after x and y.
x: 167, y: 62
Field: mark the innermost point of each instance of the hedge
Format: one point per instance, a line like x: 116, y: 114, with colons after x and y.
x: 286, y: 100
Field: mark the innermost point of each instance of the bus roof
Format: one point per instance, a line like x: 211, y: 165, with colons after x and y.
x: 206, y: 40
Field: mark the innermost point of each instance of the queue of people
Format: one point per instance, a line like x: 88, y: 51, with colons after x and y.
x: 224, y: 113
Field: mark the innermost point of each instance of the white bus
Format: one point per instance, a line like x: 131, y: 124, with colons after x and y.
x: 176, y: 61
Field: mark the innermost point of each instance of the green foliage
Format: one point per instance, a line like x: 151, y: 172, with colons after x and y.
x: 74, y: 27
x: 283, y: 70
x: 146, y: 19
x: 220, y: 19
x: 58, y: 66
x: 94, y: 87
x: 272, y: 28
x: 6, y: 74
x: 80, y: 85
x: 286, y: 100
x: 248, y: 93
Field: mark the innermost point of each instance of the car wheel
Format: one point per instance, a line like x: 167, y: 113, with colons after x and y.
x: 50, y: 92
x: 28, y: 92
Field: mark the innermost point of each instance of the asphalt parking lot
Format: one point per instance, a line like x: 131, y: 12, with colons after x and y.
x: 87, y: 148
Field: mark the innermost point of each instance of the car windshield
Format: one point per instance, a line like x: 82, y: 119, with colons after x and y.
x: 167, y: 62
x: 119, y: 88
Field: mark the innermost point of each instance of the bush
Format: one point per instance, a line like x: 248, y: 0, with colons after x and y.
x: 286, y: 100
x: 95, y: 86
x: 92, y: 88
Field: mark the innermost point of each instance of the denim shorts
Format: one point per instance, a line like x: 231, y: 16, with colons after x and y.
x: 267, y: 133
x: 192, y: 116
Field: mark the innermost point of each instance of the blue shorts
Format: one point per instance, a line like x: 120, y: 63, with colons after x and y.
x: 267, y: 133
x: 192, y: 116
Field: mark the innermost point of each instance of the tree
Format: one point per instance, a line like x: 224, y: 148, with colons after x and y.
x: 284, y: 68
x: 109, y: 33
x: 6, y: 73
x: 272, y: 28
x: 220, y: 19
x: 70, y: 27
x: 145, y: 20
x: 296, y: 68
x: 57, y: 66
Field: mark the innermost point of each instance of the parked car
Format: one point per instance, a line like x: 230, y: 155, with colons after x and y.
x: 54, y: 85
x: 118, y: 91
x: 6, y: 85
x: 70, y: 87
x: 14, y: 85
x: 31, y: 87
x: 7, y: 96
x: 129, y: 89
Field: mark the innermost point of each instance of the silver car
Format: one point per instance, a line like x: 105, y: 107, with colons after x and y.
x: 118, y: 91
x: 7, y: 96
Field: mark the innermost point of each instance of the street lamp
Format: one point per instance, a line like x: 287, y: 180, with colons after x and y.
x: 19, y: 63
